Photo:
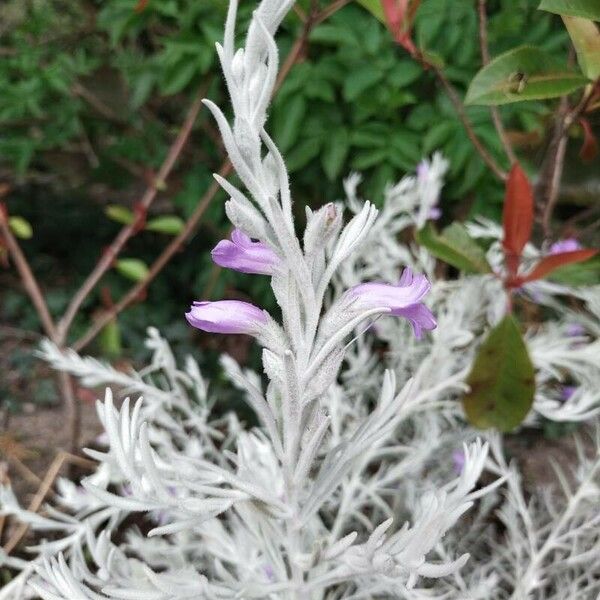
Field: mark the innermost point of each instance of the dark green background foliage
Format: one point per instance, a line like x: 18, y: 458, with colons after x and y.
x: 92, y: 94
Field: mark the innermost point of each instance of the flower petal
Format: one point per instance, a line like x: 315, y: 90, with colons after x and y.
x: 226, y: 316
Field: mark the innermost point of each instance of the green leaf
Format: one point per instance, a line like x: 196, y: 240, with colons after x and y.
x: 502, y: 380
x: 359, y: 80
x: 109, y: 340
x: 177, y: 77
x: 454, y: 246
x: 335, y: 152
x: 576, y: 274
x: 374, y: 7
x: 120, y: 214
x: 132, y: 268
x: 588, y: 9
x: 288, y: 122
x: 525, y: 73
x: 303, y: 153
x: 169, y: 224
x: 21, y: 227
x: 586, y: 39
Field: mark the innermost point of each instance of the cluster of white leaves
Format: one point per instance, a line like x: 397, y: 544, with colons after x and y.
x: 349, y: 485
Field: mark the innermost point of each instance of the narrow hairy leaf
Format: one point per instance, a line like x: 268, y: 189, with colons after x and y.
x: 586, y: 40
x: 502, y: 380
x: 525, y: 73
x: 517, y: 218
x: 550, y: 263
x: 454, y: 246
x: 169, y: 224
x: 588, y: 9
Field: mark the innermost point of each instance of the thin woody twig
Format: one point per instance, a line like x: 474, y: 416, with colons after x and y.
x: 548, y: 187
x: 134, y: 293
x: 464, y: 119
x: 485, y: 57
x: 27, y: 277
x: 128, y: 231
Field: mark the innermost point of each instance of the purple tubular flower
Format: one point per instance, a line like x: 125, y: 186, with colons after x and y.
x: 242, y: 254
x: 566, y: 245
x: 227, y: 316
x: 403, y: 300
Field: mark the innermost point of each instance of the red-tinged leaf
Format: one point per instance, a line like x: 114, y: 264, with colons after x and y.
x: 554, y: 261
x: 518, y: 216
x: 399, y: 15
x: 141, y: 6
x: 589, y: 149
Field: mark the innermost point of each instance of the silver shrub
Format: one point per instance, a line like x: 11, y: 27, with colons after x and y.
x: 347, y: 488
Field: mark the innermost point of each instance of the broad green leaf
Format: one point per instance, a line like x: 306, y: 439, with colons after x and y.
x: 586, y: 39
x: 454, y: 246
x: 289, y: 121
x: 335, y: 152
x: 302, y: 153
x: 588, y: 9
x: 525, y: 73
x: 374, y: 7
x: 21, y: 227
x: 359, y: 80
x: 120, y: 214
x: 502, y: 380
x: 169, y: 224
x: 132, y: 268
x: 178, y: 76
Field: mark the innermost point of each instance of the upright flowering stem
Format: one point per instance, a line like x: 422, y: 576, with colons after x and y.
x: 304, y: 354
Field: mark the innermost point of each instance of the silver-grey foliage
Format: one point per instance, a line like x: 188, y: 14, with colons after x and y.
x: 347, y: 488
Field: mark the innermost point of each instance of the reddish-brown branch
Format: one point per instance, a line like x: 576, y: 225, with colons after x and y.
x: 551, y: 174
x: 107, y: 259
x: 132, y: 295
x: 485, y: 57
x: 27, y: 277
x: 464, y: 119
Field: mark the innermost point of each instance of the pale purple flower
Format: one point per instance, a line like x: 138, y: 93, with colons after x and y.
x: 227, y: 316
x: 242, y: 254
x: 403, y: 300
x: 567, y: 391
x: 575, y: 330
x: 423, y: 170
x: 269, y: 573
x: 435, y: 213
x: 458, y: 461
x: 566, y: 245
